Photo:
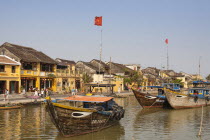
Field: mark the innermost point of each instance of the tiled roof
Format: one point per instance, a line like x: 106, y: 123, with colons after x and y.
x: 63, y: 61
x: 6, y: 60
x: 27, y: 54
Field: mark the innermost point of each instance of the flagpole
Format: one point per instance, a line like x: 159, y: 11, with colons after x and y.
x: 100, y: 51
x: 167, y: 59
x: 98, y: 22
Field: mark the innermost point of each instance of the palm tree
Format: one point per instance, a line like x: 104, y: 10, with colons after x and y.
x: 134, y: 78
x: 86, y: 79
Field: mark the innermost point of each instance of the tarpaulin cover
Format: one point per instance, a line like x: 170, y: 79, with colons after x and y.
x: 88, y: 98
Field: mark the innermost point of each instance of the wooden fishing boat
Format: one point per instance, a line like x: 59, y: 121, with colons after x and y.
x: 147, y: 100
x: 10, y: 107
x: 95, y: 114
x: 197, y: 97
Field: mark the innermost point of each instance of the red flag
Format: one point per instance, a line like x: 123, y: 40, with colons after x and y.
x: 166, y: 41
x: 98, y: 21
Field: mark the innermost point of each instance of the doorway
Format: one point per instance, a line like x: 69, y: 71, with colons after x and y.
x: 2, y: 86
x: 14, y: 87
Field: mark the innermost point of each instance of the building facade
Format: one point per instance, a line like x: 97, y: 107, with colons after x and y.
x: 9, y: 75
x: 37, y: 69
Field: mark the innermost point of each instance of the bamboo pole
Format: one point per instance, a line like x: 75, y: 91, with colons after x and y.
x: 199, y: 133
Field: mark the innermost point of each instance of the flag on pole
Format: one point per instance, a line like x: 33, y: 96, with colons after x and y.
x: 98, y: 21
x: 166, y: 41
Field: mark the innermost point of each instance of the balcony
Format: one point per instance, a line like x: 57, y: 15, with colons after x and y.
x: 63, y: 73
x: 29, y: 72
x: 3, y: 73
x: 45, y: 74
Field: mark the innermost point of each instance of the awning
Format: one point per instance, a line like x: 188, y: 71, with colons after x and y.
x: 88, y: 98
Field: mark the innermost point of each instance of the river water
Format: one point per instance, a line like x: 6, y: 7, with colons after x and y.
x: 32, y: 122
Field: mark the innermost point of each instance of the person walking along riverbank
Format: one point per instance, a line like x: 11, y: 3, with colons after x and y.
x: 6, y: 95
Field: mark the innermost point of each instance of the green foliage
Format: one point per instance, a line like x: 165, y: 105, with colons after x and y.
x: 178, y: 81
x: 87, y: 78
x: 134, y: 78
x: 51, y: 75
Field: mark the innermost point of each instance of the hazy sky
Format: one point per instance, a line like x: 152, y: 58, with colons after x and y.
x: 134, y: 31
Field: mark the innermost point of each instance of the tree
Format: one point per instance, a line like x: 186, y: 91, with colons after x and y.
x: 86, y: 78
x: 178, y: 81
x: 134, y: 78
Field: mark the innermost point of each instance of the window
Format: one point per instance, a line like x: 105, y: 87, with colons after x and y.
x: 13, y: 69
x: 2, y: 67
x: 46, y: 67
x: 27, y: 66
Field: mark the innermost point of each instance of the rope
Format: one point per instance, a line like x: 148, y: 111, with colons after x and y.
x: 153, y: 103
x: 107, y: 120
x: 199, y: 133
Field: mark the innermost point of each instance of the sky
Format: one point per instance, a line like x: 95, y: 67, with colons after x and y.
x: 133, y: 31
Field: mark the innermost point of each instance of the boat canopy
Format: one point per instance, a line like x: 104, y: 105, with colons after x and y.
x: 88, y: 98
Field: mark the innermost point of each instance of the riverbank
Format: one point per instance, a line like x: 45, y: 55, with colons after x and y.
x: 22, y: 99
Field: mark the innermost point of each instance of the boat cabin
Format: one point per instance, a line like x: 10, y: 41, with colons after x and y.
x: 199, y: 92
x: 200, y: 84
x: 172, y: 86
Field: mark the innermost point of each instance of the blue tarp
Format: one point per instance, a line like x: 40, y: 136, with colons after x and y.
x: 152, y: 86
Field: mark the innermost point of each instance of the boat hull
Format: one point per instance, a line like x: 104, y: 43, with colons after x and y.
x: 69, y: 124
x: 148, y: 100
x: 179, y: 101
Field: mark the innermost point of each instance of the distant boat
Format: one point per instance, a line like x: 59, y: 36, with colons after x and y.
x: 95, y: 113
x: 147, y: 100
x: 197, y: 96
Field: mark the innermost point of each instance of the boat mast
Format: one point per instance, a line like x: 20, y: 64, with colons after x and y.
x: 110, y: 74
x: 199, y: 68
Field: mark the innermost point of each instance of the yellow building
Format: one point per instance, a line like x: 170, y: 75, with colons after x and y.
x: 37, y: 69
x: 9, y: 75
x: 118, y: 81
x: 67, y: 77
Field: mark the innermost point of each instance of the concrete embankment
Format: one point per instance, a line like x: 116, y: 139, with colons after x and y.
x: 21, y: 99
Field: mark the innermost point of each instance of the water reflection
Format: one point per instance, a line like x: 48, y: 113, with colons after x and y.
x: 32, y: 122
x: 112, y: 133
